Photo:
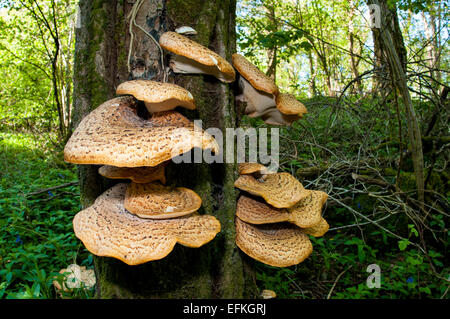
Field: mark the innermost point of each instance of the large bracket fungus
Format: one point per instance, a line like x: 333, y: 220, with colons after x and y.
x: 275, y: 231
x: 278, y: 245
x: 191, y: 57
x: 263, y: 97
x: 107, y: 229
x: 113, y: 134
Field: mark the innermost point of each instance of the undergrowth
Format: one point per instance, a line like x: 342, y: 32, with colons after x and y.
x: 36, y: 235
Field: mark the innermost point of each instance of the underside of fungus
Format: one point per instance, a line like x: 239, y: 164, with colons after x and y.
x: 156, y: 201
x: 145, y: 174
x: 107, y: 229
x: 278, y: 245
x: 193, y: 58
x: 157, y: 96
x: 281, y: 190
x: 114, y: 134
x: 255, y: 169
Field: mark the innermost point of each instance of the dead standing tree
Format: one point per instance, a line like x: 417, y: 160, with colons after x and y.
x: 103, y: 61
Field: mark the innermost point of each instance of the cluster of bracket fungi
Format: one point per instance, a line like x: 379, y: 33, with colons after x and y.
x: 143, y: 220
x: 274, y: 230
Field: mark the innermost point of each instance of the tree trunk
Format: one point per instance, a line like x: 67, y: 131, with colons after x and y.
x: 392, y: 41
x: 218, y: 269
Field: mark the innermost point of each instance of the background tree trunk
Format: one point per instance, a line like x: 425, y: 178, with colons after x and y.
x: 218, y: 269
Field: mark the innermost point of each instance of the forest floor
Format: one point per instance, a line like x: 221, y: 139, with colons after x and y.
x: 37, y: 239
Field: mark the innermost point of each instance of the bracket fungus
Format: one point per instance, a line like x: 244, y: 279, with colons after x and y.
x: 78, y: 277
x: 305, y: 213
x: 254, y: 169
x: 317, y: 230
x: 106, y: 228
x: 281, y: 190
x: 145, y: 174
x: 278, y: 245
x: 274, y: 117
x: 191, y: 57
x: 113, y: 134
x: 289, y: 105
x: 186, y: 30
x: 258, y: 90
x: 157, y: 96
x: 156, y: 201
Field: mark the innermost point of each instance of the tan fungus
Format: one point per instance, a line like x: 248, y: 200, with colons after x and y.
x: 113, y: 134
x: 107, y: 229
x: 156, y: 201
x: 278, y: 245
x: 281, y: 190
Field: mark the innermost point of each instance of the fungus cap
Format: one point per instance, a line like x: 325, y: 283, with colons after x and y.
x: 77, y: 277
x: 280, y: 190
x: 192, y: 57
x: 305, y: 213
x: 156, y: 201
x: 145, y: 174
x: 268, y: 294
x: 317, y: 230
x: 186, y: 30
x: 278, y: 245
x: 158, y: 96
x: 253, y: 75
x: 253, y: 168
x: 258, y: 90
x: 113, y: 134
x: 107, y: 229
x: 288, y: 104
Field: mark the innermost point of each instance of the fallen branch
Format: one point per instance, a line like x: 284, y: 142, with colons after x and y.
x: 45, y: 190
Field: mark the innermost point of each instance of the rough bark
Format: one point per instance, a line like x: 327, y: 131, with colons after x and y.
x: 391, y: 42
x: 218, y: 269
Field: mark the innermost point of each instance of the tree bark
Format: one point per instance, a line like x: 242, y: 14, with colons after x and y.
x: 218, y: 269
x: 392, y: 42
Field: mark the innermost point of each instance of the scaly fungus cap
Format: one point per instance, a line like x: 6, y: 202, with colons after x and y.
x: 113, y: 134
x: 107, y: 229
x: 157, y: 96
x: 280, y: 190
x: 145, y: 174
x: 191, y: 57
x: 156, y: 201
x: 278, y: 245
x: 305, y: 213
x: 288, y: 104
x: 318, y: 230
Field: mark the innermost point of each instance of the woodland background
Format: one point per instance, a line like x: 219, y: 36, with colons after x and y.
x: 376, y: 142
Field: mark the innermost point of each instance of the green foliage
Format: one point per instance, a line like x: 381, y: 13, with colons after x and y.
x: 36, y: 236
x: 36, y: 51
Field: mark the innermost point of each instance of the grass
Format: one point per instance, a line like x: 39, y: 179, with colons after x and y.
x: 36, y: 235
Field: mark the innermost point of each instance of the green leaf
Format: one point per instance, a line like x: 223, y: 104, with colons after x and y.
x: 402, y: 244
